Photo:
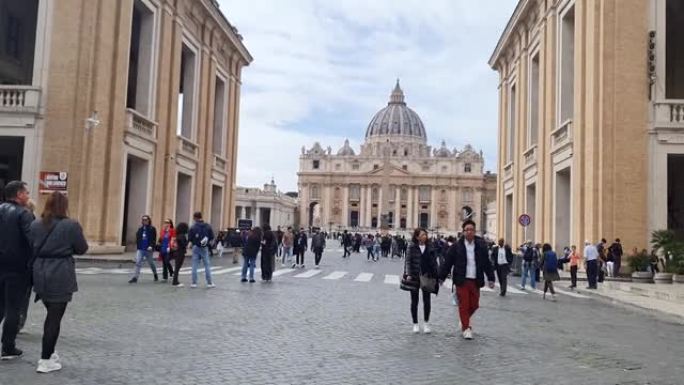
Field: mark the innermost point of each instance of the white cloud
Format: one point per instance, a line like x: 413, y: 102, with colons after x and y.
x: 315, y: 59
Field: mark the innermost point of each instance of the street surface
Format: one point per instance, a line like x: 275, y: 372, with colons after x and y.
x: 347, y: 323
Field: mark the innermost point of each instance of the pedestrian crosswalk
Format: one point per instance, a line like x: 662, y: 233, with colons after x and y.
x: 335, y: 275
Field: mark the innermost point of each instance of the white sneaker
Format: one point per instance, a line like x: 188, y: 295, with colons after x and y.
x: 211, y: 286
x: 468, y: 334
x: 47, y: 366
x: 194, y: 285
x: 553, y: 297
x: 179, y: 285
x: 416, y: 328
x: 426, y: 328
x: 54, y: 357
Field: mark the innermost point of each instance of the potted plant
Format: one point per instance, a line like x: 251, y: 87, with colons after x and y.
x: 640, y: 264
x: 665, y: 243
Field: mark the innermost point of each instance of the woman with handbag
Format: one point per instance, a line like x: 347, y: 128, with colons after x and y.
x: 180, y: 250
x: 549, y: 266
x: 167, y: 243
x: 420, y: 274
x: 55, y: 239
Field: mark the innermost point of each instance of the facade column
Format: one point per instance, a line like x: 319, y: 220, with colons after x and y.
x: 369, y: 205
x: 361, y: 205
x: 453, y: 211
x: 380, y: 197
x: 409, y: 207
x: 345, y: 207
x: 397, y: 207
x: 416, y: 210
x: 257, y: 216
x: 433, y: 206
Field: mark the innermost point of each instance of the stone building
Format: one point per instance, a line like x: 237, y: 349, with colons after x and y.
x: 591, y: 120
x: 130, y: 106
x: 396, y: 180
x: 265, y: 206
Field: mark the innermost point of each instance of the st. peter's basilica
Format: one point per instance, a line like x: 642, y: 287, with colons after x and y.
x: 396, y: 180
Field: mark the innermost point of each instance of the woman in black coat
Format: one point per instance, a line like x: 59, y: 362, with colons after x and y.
x: 420, y: 260
x: 181, y: 248
x: 268, y: 248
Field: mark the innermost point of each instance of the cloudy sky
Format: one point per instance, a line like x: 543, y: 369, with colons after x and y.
x: 322, y: 69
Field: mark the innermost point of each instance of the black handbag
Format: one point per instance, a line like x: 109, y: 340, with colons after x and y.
x: 412, y: 285
x: 428, y: 284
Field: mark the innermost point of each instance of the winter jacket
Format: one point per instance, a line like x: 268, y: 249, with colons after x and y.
x: 318, y: 242
x: 151, y: 237
x: 198, y: 231
x: 15, y: 247
x: 456, y: 262
x: 269, y: 244
x: 54, y: 270
x: 495, y: 255
x: 418, y: 263
x: 252, y: 245
x: 181, y: 245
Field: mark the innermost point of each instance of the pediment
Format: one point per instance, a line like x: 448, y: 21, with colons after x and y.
x: 394, y: 171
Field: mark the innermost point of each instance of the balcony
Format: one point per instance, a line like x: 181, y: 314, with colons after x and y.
x: 220, y: 162
x: 19, y: 99
x: 669, y: 113
x: 187, y: 148
x: 562, y: 136
x: 530, y: 156
x: 140, y: 125
x: 508, y: 171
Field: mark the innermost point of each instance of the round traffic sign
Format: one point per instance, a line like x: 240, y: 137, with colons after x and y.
x: 525, y: 220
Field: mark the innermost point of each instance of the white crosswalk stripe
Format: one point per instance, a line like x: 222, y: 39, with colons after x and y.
x: 224, y: 271
x: 511, y: 289
x: 280, y: 272
x: 571, y: 294
x: 335, y: 275
x: 256, y: 271
x: 364, y: 277
x: 391, y: 279
x: 308, y: 273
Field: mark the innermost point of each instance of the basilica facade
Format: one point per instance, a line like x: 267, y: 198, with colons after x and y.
x: 396, y: 181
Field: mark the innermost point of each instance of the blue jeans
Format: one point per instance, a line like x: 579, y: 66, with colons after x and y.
x: 287, y: 255
x: 201, y: 253
x: 528, y: 268
x: 140, y: 255
x: 249, y: 262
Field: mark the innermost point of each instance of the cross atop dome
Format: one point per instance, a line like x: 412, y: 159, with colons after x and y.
x: 397, y: 96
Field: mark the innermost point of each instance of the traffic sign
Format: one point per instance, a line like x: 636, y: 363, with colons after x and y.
x: 525, y: 220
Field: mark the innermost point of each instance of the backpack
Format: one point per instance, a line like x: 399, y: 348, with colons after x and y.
x: 550, y: 261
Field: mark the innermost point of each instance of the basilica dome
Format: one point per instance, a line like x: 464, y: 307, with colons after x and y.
x: 396, y: 120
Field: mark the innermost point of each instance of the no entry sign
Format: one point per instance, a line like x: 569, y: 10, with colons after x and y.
x: 525, y: 220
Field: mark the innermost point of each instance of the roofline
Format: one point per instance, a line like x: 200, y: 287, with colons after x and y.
x: 230, y: 30
x: 505, y: 36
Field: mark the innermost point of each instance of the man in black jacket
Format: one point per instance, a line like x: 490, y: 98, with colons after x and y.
x: 15, y: 254
x: 470, y: 262
x: 502, y: 257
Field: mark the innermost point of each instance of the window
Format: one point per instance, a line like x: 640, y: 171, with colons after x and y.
x: 511, y: 125
x: 533, y: 103
x: 444, y: 168
x: 467, y: 196
x: 426, y: 167
x: 338, y: 167
x: 219, y: 115
x: 374, y: 194
x: 338, y: 193
x: 141, y: 60
x: 394, y: 152
x: 375, y: 167
x: 424, y: 193
x: 186, y: 93
x: 404, y: 167
x: 467, y: 168
x: 404, y: 194
x: 406, y: 152
x: 315, y: 192
x: 403, y: 206
x: 355, y: 192
x: 567, y: 65
x: 316, y: 164
x: 355, y: 166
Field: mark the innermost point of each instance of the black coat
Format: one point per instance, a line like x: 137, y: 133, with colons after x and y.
x: 15, y: 246
x: 269, y: 245
x: 252, y: 246
x: 456, y: 261
x: 495, y: 255
x: 418, y: 263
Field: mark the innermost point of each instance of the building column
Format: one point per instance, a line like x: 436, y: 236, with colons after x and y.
x: 416, y: 210
x: 369, y: 205
x: 409, y: 207
x: 453, y: 211
x: 345, y: 206
x: 380, y: 197
x: 433, y: 206
x: 397, y: 207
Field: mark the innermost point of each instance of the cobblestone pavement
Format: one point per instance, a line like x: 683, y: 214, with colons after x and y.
x: 334, y: 328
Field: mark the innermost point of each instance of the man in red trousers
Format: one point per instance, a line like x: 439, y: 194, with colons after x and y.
x: 468, y: 261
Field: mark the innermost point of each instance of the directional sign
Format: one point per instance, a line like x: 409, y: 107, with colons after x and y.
x: 525, y: 220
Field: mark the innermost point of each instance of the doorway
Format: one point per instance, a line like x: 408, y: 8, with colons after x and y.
x: 135, y: 199
x: 675, y: 194
x: 562, y: 204
x: 11, y: 158
x: 183, y: 198
x: 216, y: 207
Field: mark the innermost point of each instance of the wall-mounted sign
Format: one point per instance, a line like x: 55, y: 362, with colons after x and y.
x: 53, y: 181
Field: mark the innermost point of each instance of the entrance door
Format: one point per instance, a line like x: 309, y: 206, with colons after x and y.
x: 424, y: 220
x: 354, y: 219
x: 216, y: 207
x: 183, y: 198
x: 135, y: 199
x: 675, y: 194
x: 11, y: 156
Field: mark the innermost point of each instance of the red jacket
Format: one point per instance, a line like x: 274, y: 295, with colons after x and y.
x: 172, y: 239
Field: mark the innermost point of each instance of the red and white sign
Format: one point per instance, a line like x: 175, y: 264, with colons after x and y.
x: 51, y: 181
x: 525, y: 220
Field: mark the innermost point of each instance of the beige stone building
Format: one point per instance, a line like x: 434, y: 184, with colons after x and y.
x: 397, y: 180
x: 130, y: 105
x: 265, y: 206
x: 591, y: 120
